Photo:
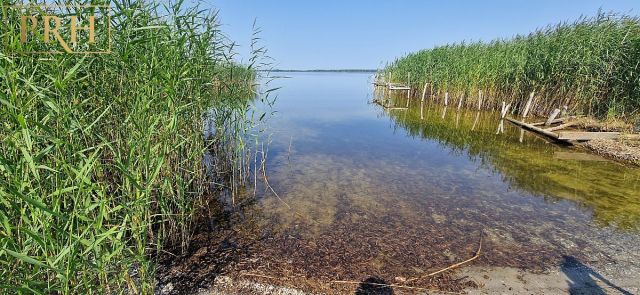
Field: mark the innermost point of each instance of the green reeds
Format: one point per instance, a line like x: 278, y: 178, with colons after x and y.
x: 590, y: 65
x: 101, y: 161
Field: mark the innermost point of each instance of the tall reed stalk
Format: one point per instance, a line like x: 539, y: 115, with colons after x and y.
x: 101, y: 161
x: 591, y: 65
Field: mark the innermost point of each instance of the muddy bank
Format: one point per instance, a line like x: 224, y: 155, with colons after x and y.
x: 619, y: 150
x: 625, y: 150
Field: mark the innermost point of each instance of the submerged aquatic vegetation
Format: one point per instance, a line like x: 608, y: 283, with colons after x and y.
x: 590, y: 65
x: 102, y: 156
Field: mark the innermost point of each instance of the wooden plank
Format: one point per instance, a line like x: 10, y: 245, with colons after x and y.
x: 552, y: 117
x: 533, y: 128
x: 581, y: 136
x: 562, y: 126
x: 559, y: 120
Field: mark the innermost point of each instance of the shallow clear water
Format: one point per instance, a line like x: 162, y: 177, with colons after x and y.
x: 368, y: 191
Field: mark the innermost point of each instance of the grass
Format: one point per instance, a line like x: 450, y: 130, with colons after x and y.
x: 101, y: 161
x: 590, y: 65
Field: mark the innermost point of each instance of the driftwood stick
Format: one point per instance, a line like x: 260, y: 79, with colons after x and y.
x: 453, y: 265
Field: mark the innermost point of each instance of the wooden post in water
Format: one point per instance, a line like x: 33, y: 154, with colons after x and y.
x: 528, y: 105
x: 479, y: 99
x: 460, y: 102
x: 503, y: 113
x: 424, y: 90
x: 446, y: 99
x: 408, y: 85
x: 552, y: 117
x: 525, y: 113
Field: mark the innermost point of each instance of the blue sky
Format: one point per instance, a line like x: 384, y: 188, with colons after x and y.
x: 332, y: 34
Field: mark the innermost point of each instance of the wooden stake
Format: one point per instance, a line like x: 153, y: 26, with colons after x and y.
x: 446, y: 99
x: 424, y: 90
x: 408, y: 85
x: 505, y: 110
x: 552, y: 117
x: 528, y: 105
x: 479, y: 99
x: 460, y: 102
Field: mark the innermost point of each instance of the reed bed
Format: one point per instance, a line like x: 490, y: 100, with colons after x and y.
x: 590, y: 65
x: 102, y: 156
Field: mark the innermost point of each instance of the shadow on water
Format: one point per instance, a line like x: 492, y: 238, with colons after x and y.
x: 374, y: 286
x: 583, y: 279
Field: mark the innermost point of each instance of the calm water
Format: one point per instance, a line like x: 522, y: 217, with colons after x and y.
x: 368, y: 191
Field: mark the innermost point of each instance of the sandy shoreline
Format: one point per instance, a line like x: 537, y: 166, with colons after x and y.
x: 575, y: 279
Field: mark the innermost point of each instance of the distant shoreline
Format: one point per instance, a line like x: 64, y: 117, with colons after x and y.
x: 327, y: 71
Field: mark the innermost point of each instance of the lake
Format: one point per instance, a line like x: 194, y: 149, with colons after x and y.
x: 366, y: 191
